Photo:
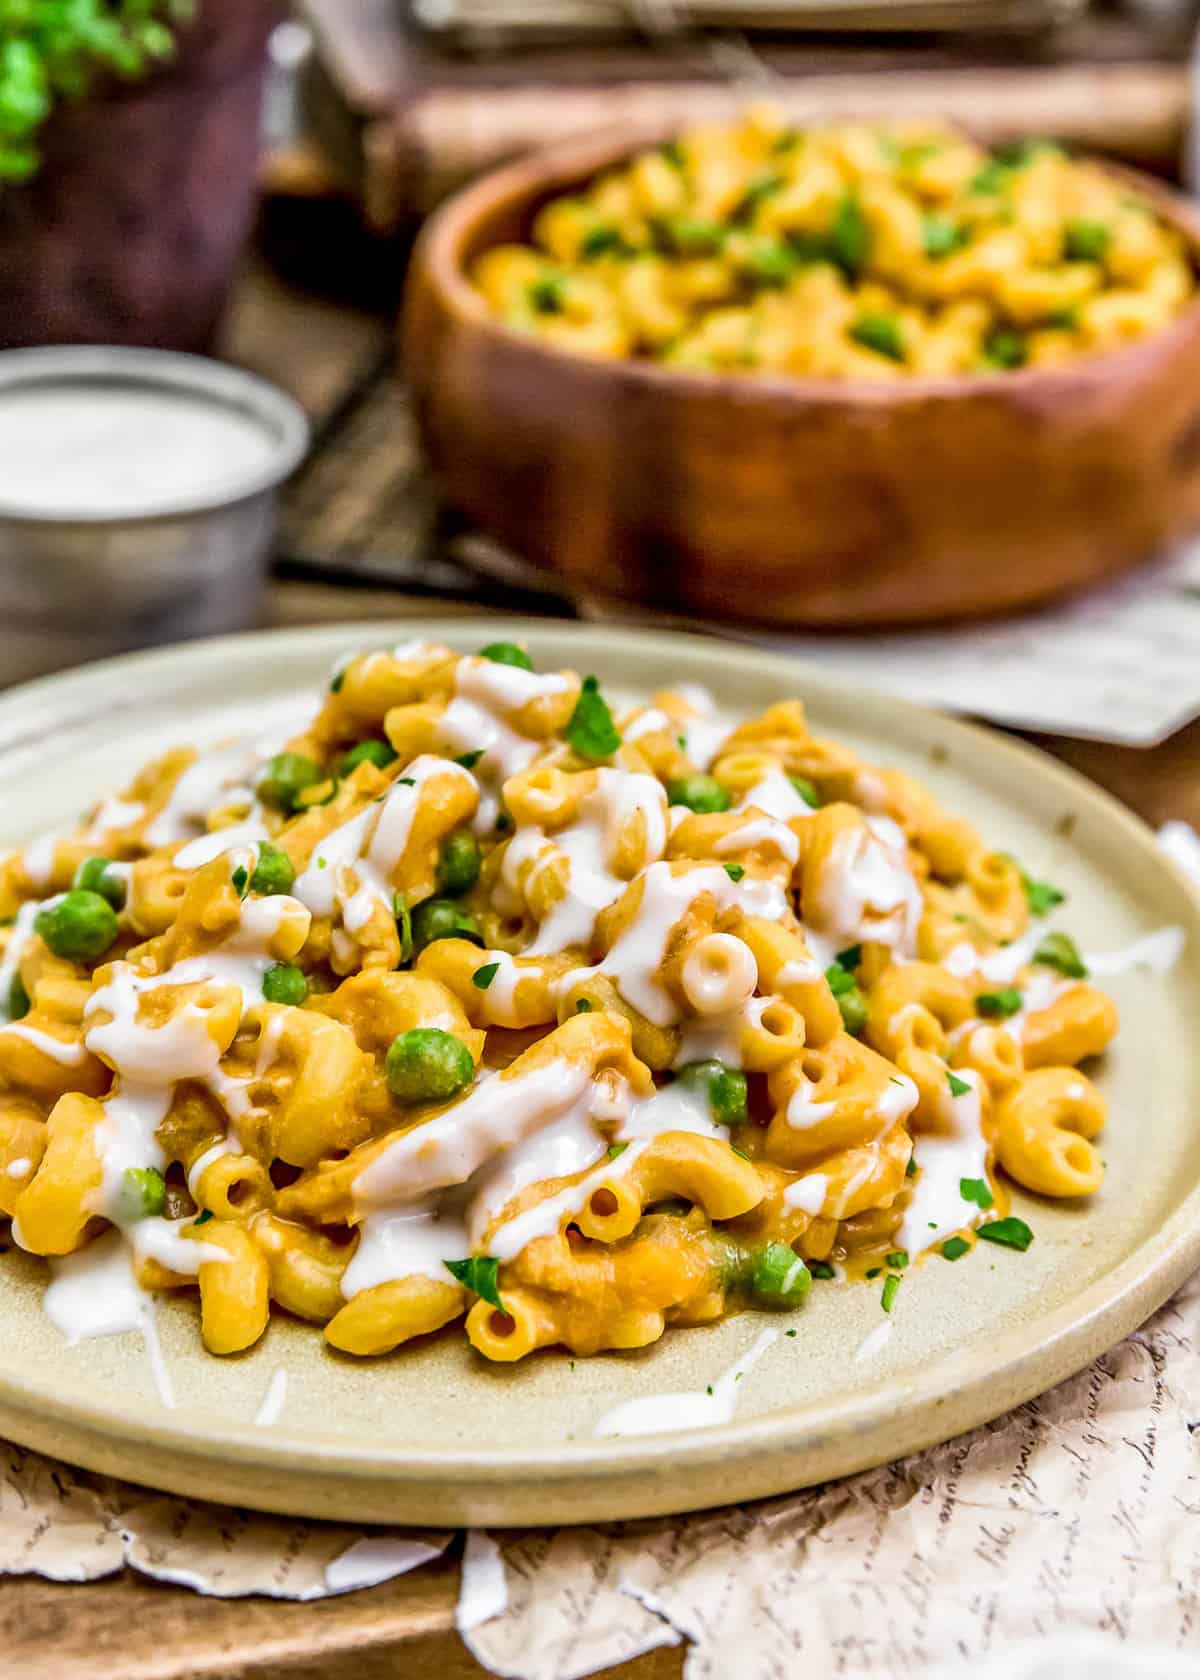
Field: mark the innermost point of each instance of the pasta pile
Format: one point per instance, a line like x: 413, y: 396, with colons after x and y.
x: 481, y: 997
x: 845, y: 252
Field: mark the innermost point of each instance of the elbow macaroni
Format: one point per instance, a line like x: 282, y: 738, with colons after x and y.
x: 848, y: 251
x: 688, y: 990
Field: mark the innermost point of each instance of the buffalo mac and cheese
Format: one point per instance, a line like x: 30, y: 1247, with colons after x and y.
x: 484, y: 1000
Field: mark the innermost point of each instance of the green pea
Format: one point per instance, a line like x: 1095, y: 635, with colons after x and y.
x: 80, y: 927
x: 698, y: 792
x: 92, y: 876
x: 780, y: 1278
x: 285, y: 983
x: 724, y: 1087
x: 378, y: 753
x: 1085, y: 240
x: 850, y: 1001
x: 441, y: 918
x: 273, y: 873
x: 18, y: 999
x: 767, y: 262
x: 143, y: 1193
x: 428, y: 1065
x: 288, y: 775
x: 458, y: 866
x: 1005, y: 348
x: 507, y: 653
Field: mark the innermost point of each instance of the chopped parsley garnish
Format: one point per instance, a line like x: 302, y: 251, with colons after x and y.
x: 820, y: 1269
x: 615, y: 1149
x: 1059, y: 950
x: 976, y: 1190
x: 1040, y: 896
x: 898, y: 1259
x: 484, y: 976
x: 911, y: 1169
x: 806, y: 790
x: 1009, y: 1233
x: 478, y: 1273
x: 590, y: 728
x: 339, y: 678
x: 740, y: 1152
x: 548, y: 294
x: 958, y: 1087
x: 880, y: 333
x: 403, y: 917
x: 999, y: 1005
x: 875, y: 1271
x: 955, y: 1247
x: 405, y: 781
x: 1005, y: 348
x: 850, y: 237
x: 790, y: 1332
x: 891, y: 1286
x: 583, y: 1006
x: 203, y: 1218
x: 735, y: 871
x: 469, y: 760
x: 850, y: 958
x: 1085, y: 240
x: 241, y: 880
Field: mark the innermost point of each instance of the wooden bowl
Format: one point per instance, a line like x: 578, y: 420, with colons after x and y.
x: 789, y: 500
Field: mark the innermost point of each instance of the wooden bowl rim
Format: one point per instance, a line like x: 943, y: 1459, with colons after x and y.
x: 537, y: 175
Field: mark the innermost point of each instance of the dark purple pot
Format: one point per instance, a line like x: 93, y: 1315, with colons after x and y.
x: 131, y: 231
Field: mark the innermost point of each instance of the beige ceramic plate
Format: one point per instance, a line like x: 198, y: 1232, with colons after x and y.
x: 434, y: 1435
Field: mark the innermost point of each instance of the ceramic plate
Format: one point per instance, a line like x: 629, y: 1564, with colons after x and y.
x: 435, y: 1435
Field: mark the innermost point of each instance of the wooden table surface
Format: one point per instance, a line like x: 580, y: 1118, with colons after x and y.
x: 128, y: 1628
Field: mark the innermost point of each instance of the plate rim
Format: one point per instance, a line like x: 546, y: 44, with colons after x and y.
x: 626, y: 1476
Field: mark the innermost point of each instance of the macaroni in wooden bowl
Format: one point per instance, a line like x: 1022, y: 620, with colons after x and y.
x: 482, y: 1000
x: 843, y: 252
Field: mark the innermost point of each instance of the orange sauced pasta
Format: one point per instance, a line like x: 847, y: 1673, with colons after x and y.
x: 483, y: 998
x: 851, y: 251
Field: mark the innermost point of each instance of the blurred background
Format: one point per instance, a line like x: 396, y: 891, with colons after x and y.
x: 244, y: 181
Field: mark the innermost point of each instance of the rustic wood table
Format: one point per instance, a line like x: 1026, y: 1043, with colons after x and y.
x: 363, y: 504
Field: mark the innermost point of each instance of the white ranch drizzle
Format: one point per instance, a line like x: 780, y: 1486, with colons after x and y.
x: 588, y: 846
x: 807, y: 1193
x: 478, y: 720
x: 875, y: 1342
x: 20, y: 1168
x: 704, y: 731
x: 660, y: 1414
x: 1158, y: 952
x: 944, y: 1158
x: 114, y: 812
x: 68, y: 1054
x: 19, y: 936
x: 94, y: 1293
x: 634, y: 962
x: 223, y: 776
x: 371, y: 844
x: 273, y: 1402
x: 250, y: 833
x: 867, y: 892
x: 776, y: 796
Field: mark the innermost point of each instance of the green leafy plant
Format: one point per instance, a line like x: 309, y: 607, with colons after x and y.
x: 52, y: 51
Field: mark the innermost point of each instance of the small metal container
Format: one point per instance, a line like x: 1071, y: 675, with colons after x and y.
x: 137, y: 500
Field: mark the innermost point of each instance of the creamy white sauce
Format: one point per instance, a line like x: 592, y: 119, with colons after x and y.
x: 866, y: 891
x: 38, y: 856
x: 19, y: 936
x: 221, y: 777
x: 660, y: 1414
x: 20, y: 1168
x: 114, y: 812
x: 411, y: 1242
x: 478, y: 720
x: 938, y: 1208
x: 68, y: 1054
x: 94, y: 1293
x: 775, y: 795
x: 274, y: 1400
x: 875, y: 1342
x: 807, y: 1193
x: 250, y: 833
x: 1157, y: 953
